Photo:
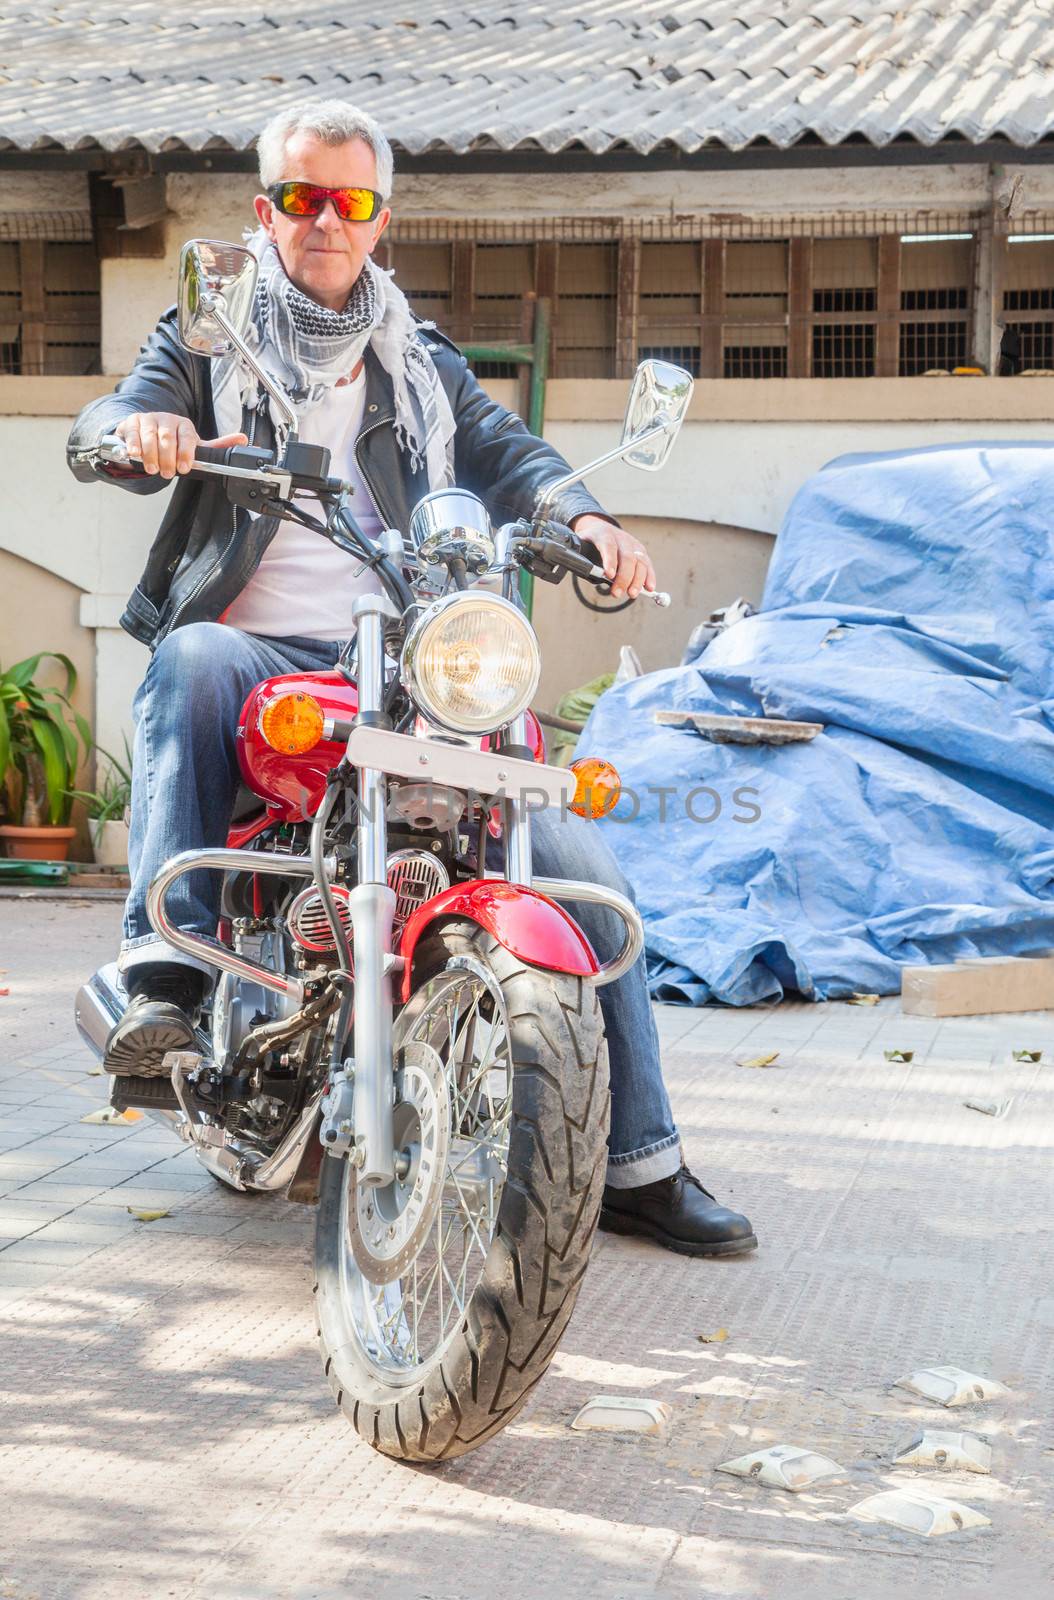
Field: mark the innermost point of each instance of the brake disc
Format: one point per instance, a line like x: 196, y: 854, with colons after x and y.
x: 389, y: 1225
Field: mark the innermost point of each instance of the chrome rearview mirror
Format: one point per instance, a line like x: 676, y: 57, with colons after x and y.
x: 216, y: 286
x: 657, y: 405
x: 217, y: 283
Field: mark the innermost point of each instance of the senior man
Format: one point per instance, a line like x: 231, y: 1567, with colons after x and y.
x: 223, y: 604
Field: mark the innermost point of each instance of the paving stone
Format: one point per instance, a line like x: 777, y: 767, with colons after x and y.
x: 48, y: 1251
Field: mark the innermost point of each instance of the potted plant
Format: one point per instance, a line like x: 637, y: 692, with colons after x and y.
x: 40, y: 739
x: 106, y: 807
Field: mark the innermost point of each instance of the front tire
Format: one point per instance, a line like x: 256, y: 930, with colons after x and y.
x: 484, y: 1370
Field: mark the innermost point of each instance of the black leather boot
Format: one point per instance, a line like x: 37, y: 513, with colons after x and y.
x: 161, y: 1016
x: 679, y: 1213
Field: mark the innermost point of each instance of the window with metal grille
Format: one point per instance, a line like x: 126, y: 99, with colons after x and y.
x: 584, y: 324
x: 935, y: 277
x: 754, y: 333
x: 755, y: 360
x: 682, y: 355
x: 932, y: 347
x: 1035, y: 345
x: 844, y: 301
x: 10, y: 309
x: 424, y: 274
x: 1029, y: 293
x: 843, y: 350
x: 1028, y: 300
x: 501, y: 313
x: 49, y: 308
x: 670, y: 304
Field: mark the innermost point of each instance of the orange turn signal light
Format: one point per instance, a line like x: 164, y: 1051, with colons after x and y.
x: 597, y: 787
x: 292, y: 723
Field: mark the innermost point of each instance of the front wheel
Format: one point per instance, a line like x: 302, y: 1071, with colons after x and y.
x: 442, y: 1298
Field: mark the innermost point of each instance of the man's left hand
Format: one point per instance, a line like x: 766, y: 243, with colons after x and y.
x: 624, y: 559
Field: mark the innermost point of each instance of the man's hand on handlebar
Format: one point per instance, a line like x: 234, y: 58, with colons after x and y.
x: 624, y: 559
x: 165, y: 443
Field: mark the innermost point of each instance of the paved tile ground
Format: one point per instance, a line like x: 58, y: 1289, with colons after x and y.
x: 166, y: 1430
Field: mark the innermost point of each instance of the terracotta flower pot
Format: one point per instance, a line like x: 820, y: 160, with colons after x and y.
x: 37, y: 844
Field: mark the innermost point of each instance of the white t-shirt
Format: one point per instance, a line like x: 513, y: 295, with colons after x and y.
x: 305, y: 587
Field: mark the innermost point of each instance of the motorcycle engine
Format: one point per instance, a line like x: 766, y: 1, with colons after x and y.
x: 238, y: 1005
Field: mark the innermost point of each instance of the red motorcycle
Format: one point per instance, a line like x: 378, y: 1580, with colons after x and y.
x: 397, y: 1032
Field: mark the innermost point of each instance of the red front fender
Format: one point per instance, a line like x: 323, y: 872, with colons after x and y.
x: 532, y: 926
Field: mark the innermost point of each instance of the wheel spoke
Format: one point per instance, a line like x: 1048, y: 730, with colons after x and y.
x: 406, y: 1323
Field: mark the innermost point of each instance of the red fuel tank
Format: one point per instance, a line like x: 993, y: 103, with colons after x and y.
x: 293, y: 785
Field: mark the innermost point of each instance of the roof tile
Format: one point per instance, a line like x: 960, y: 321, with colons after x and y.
x: 599, y: 74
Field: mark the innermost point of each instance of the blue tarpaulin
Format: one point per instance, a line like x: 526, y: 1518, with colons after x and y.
x: 909, y: 608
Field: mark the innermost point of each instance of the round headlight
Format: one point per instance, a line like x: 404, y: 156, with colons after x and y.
x: 471, y: 662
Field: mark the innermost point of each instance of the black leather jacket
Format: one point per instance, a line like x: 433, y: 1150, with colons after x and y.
x: 204, y: 554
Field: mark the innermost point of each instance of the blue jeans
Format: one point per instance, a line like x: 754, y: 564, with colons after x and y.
x: 185, y: 777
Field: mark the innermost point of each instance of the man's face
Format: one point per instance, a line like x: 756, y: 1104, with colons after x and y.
x: 323, y: 255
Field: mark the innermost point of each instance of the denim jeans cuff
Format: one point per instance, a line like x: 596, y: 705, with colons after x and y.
x: 645, y: 1166
x: 151, y: 948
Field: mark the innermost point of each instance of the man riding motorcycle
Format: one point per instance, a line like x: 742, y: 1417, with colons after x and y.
x: 228, y: 598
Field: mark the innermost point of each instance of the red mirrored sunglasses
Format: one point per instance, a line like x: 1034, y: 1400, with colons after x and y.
x: 297, y: 199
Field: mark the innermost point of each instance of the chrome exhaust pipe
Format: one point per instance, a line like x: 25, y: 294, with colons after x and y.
x: 100, y: 1004
x: 241, y: 1167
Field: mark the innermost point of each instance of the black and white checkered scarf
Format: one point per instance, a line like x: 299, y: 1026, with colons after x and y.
x: 307, y: 349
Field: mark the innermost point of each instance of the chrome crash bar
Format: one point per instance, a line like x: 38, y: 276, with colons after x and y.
x: 597, y: 894
x: 217, y: 955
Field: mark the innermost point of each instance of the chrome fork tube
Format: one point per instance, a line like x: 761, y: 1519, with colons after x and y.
x: 372, y: 906
x: 517, y: 822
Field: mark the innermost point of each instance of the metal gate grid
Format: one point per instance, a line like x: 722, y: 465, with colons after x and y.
x: 846, y: 296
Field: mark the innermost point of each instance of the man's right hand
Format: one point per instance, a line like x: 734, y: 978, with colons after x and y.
x: 165, y: 443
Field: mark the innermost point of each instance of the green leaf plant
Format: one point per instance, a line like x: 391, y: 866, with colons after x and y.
x: 40, y: 739
x: 114, y: 794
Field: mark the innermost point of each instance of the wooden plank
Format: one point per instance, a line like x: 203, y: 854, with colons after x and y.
x: 711, y: 360
x: 741, y: 730
x: 34, y: 334
x: 990, y: 264
x: 978, y: 988
x: 546, y: 259
x: 462, y: 290
x: 627, y: 308
x: 887, y: 332
x: 799, y: 308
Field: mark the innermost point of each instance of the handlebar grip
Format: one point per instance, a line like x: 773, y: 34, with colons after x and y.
x: 212, y: 456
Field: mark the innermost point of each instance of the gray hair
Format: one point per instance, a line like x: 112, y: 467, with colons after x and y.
x: 332, y: 121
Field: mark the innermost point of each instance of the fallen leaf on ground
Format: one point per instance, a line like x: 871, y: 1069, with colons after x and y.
x: 146, y: 1216
x: 759, y: 1061
x: 94, y: 1072
x: 713, y: 1338
x: 1028, y: 1055
x: 989, y: 1108
x: 111, y: 1114
x: 899, y: 1055
x: 5, y: 991
x: 862, y: 1000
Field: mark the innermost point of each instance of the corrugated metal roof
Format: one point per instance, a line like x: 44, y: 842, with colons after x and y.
x: 600, y: 74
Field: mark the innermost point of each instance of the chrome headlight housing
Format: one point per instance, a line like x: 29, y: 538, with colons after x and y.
x: 471, y: 662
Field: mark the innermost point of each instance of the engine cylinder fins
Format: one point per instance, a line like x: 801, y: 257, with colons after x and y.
x: 415, y: 876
